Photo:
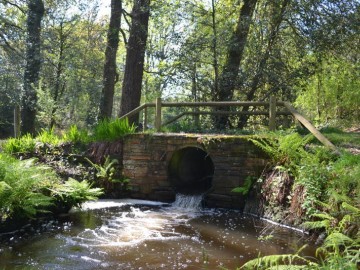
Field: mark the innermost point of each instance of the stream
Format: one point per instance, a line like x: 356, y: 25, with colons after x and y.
x: 137, y: 234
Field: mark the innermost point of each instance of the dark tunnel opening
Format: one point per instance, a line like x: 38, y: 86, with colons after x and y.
x: 191, y: 171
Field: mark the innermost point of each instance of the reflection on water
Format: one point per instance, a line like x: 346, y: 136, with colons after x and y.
x: 132, y: 234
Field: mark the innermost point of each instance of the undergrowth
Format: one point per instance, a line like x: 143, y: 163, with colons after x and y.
x: 331, y: 202
x: 110, y: 130
x: 106, y: 130
x: 28, y: 189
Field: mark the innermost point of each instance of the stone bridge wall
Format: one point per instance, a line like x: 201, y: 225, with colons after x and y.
x: 146, y: 159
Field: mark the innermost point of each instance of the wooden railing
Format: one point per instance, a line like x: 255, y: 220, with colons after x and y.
x: 272, y: 112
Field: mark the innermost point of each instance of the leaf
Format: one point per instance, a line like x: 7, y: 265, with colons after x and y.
x: 350, y: 208
x: 271, y: 261
x: 337, y: 239
x: 322, y: 224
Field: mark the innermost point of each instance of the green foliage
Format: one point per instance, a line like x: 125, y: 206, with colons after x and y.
x: 76, y: 136
x: 346, y: 171
x: 314, y: 176
x: 48, y: 137
x: 74, y: 193
x: 24, y: 187
x: 314, y: 168
x: 340, y: 138
x: 245, y: 188
x: 24, y: 144
x: 111, y: 130
x: 332, y: 93
x: 27, y: 189
x: 283, y: 261
x: 287, y: 150
x: 106, y: 174
x: 341, y: 247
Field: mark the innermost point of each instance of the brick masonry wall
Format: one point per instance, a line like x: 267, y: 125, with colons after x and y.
x: 146, y: 158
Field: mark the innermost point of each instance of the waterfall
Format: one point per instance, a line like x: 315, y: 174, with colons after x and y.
x: 188, y: 202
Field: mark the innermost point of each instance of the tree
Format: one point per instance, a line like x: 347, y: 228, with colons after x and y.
x: 32, y: 67
x: 110, y: 76
x: 131, y: 90
x: 236, y: 46
x: 277, y: 12
x: 71, y: 74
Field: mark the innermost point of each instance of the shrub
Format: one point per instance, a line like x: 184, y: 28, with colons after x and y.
x: 74, y: 193
x: 48, y: 137
x: 24, y: 144
x: 24, y: 187
x: 108, y: 130
x: 27, y: 189
x: 76, y: 136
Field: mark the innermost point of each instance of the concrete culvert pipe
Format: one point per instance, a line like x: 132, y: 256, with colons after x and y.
x: 191, y: 170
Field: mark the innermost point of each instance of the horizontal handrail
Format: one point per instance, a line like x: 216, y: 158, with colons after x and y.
x: 200, y: 104
x: 271, y: 113
x: 222, y: 113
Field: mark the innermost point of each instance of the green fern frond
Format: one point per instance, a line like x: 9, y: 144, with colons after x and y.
x: 288, y: 267
x: 271, y: 261
x: 323, y: 216
x: 337, y: 239
x: 352, y: 209
x: 76, y: 192
x: 35, y: 203
x: 313, y: 225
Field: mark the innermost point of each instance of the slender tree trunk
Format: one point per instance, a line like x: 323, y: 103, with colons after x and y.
x: 215, y: 54
x: 110, y: 76
x: 277, y: 18
x: 131, y: 90
x: 32, y: 67
x: 235, y: 52
x: 59, y: 87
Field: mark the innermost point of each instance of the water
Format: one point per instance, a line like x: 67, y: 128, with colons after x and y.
x: 134, y: 234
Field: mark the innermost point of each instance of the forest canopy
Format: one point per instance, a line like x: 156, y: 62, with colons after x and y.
x: 53, y: 57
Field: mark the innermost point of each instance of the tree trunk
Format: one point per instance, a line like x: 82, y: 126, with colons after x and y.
x: 131, y: 90
x: 32, y: 67
x: 110, y: 76
x: 58, y: 87
x: 235, y: 52
x: 214, y: 49
x: 277, y: 18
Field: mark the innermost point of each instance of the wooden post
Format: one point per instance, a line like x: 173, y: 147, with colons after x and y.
x: 158, y: 114
x: 272, y: 113
x: 310, y: 127
x: 197, y: 117
x: 145, y: 115
x: 17, y: 121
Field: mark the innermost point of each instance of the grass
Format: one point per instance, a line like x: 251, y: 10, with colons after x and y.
x: 341, y: 138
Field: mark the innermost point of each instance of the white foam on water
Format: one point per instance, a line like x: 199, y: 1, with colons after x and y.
x: 188, y: 202
x: 100, y: 204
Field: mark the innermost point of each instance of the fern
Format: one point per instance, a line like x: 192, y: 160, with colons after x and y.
x: 48, y: 137
x: 352, y: 209
x: 245, y: 188
x: 285, y: 261
x: 24, y: 144
x: 106, y: 173
x: 285, y: 150
x: 76, y: 136
x: 107, y: 130
x: 314, y: 225
x: 337, y: 239
x: 74, y: 193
